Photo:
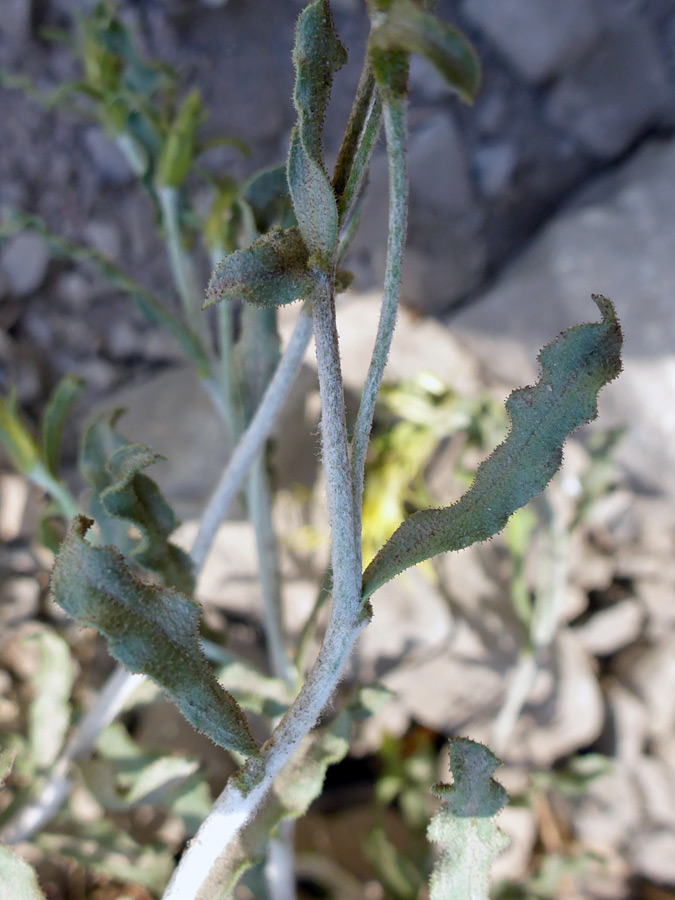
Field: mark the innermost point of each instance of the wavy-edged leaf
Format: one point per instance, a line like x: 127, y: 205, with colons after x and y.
x: 150, y: 629
x: 271, y: 272
x: 464, y: 826
x: 18, y: 879
x: 99, y: 441
x: 574, y: 368
x: 123, y: 495
x: 134, y: 497
x: 64, y: 397
x: 401, y: 27
x: 317, y: 56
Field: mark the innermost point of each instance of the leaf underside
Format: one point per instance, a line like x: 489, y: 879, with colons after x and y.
x: 18, y: 880
x: 123, y: 495
x: 464, y: 825
x: 271, y: 272
x: 150, y: 629
x: 574, y: 368
x: 404, y: 28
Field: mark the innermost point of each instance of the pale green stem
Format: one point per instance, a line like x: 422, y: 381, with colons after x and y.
x: 395, y: 126
x: 549, y: 604
x: 345, y: 524
x: 182, y: 269
x: 57, y: 490
x: 259, y: 505
x: 253, y: 438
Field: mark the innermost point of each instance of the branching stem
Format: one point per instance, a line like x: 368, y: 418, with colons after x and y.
x: 395, y: 126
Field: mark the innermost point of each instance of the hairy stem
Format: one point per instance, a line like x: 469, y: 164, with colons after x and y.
x: 395, y: 126
x: 346, y: 550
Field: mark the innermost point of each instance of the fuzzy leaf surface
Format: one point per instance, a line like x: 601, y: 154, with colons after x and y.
x: 465, y: 827
x: 317, y: 56
x: 273, y: 271
x: 123, y: 495
x: 18, y: 880
x: 134, y: 497
x: 150, y: 629
x: 574, y: 368
x: 405, y: 28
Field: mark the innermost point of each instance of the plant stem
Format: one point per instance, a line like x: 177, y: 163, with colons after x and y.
x: 253, y: 438
x: 57, y: 490
x: 184, y: 275
x: 346, y: 549
x: 197, y: 871
x: 358, y: 144
x: 259, y: 505
x: 395, y: 126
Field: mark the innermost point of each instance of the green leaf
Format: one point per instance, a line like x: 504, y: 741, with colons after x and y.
x: 99, y: 441
x: 271, y: 272
x: 149, y: 629
x: 65, y: 395
x: 18, y: 880
x: 122, y: 496
x: 16, y: 438
x: 402, y: 28
x: 180, y: 146
x: 136, y: 498
x: 317, y: 56
x: 464, y: 825
x: 52, y: 683
x: 256, y: 355
x: 573, y: 370
x: 267, y: 195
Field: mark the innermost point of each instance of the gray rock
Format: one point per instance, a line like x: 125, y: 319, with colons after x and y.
x: 108, y: 159
x: 75, y: 290
x: 172, y: 414
x: 615, y: 240
x: 654, y: 856
x: 494, y: 164
x: 616, y: 92
x: 442, y: 262
x: 613, y: 628
x: 649, y: 671
x: 24, y: 260
x: 16, y: 19
x: 104, y: 237
x: 540, y: 38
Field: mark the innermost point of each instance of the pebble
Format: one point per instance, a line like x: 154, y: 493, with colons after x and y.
x: 24, y: 261
x: 109, y: 161
x: 539, y: 38
x: 616, y: 92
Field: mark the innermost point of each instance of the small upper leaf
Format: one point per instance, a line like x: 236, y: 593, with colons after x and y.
x: 271, y: 272
x: 401, y: 27
x: 66, y: 394
x: 317, y: 56
x: 134, y: 497
x: 573, y: 370
x: 464, y: 825
x: 150, y: 629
